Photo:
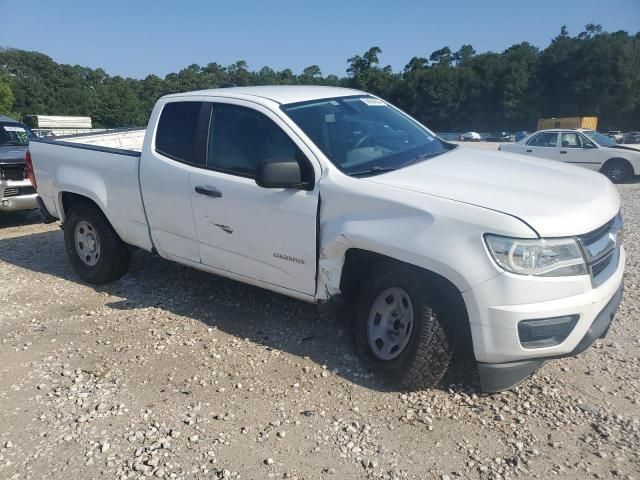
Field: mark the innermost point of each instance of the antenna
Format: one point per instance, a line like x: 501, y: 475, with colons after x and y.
x: 220, y: 82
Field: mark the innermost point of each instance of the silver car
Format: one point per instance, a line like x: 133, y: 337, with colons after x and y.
x: 16, y: 191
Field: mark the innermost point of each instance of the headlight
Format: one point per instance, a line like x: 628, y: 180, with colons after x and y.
x: 550, y: 258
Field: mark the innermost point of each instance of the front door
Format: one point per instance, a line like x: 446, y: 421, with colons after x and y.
x: 577, y: 149
x: 261, y: 233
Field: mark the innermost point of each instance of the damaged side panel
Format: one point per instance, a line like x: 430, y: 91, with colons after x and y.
x: 438, y: 235
x: 331, y: 261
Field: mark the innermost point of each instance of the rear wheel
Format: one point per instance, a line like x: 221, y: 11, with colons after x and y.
x: 96, y: 251
x: 618, y: 170
x: 400, y: 330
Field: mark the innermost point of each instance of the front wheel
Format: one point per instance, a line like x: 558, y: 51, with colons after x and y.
x: 617, y: 170
x: 96, y: 251
x: 400, y: 330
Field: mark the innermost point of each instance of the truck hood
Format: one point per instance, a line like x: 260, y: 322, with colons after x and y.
x: 12, y: 154
x: 553, y: 198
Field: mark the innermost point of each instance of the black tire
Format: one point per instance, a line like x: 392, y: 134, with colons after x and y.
x: 114, y: 255
x: 426, y: 357
x: 618, y: 170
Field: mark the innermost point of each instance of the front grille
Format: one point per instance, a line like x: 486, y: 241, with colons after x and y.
x: 18, y: 191
x: 602, y: 250
x: 13, y: 172
x: 600, y: 266
x: 592, y: 237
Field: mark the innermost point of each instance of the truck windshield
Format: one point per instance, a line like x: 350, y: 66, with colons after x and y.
x: 14, y: 134
x: 600, y: 139
x: 363, y: 135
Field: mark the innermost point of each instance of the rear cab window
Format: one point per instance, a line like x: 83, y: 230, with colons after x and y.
x: 177, y: 135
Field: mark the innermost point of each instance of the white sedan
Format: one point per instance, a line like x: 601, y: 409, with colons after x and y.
x: 585, y: 148
x: 471, y: 137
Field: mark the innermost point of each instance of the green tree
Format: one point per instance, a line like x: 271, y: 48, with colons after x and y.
x: 6, y: 97
x: 592, y: 73
x: 464, y: 54
x: 310, y: 75
x: 365, y: 74
x: 442, y: 57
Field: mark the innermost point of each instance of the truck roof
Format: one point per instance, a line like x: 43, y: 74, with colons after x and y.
x: 553, y: 130
x: 281, y: 94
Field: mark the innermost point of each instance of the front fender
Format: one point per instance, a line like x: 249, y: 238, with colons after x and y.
x: 433, y: 233
x: 398, y: 239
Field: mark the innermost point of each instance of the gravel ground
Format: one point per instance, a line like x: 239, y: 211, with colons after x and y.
x: 175, y: 373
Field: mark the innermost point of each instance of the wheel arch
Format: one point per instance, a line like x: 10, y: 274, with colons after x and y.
x: 345, y: 250
x: 68, y: 198
x: 620, y: 159
x: 359, y: 264
x: 115, y: 254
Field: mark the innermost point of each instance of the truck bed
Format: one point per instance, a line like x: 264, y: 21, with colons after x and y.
x: 126, y: 139
x: 108, y: 176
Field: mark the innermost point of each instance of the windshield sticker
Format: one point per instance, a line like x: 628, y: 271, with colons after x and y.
x: 330, y: 118
x: 9, y: 128
x: 373, y: 102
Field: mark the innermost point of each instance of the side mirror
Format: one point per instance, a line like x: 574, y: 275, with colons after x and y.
x: 589, y: 146
x: 278, y: 173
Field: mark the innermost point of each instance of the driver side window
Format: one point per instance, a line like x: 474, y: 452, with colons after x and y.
x: 586, y: 143
x: 570, y: 140
x: 241, y: 139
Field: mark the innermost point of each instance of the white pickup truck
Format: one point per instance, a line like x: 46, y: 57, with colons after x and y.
x: 325, y: 193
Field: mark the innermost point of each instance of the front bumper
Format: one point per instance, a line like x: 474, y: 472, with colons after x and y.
x: 10, y: 202
x: 497, y: 377
x: 24, y: 202
x: 497, y: 306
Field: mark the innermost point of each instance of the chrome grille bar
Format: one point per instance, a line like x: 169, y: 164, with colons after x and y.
x: 602, y: 249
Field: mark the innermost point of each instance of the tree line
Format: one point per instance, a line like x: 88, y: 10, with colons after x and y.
x: 593, y: 73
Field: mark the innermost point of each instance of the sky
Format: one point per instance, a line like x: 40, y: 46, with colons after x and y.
x: 136, y: 38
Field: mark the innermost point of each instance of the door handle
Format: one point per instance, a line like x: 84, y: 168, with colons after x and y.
x: 563, y: 152
x: 529, y: 151
x: 208, y: 191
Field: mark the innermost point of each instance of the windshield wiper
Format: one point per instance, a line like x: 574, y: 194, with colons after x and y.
x: 419, y: 158
x: 373, y: 170
x: 380, y: 169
